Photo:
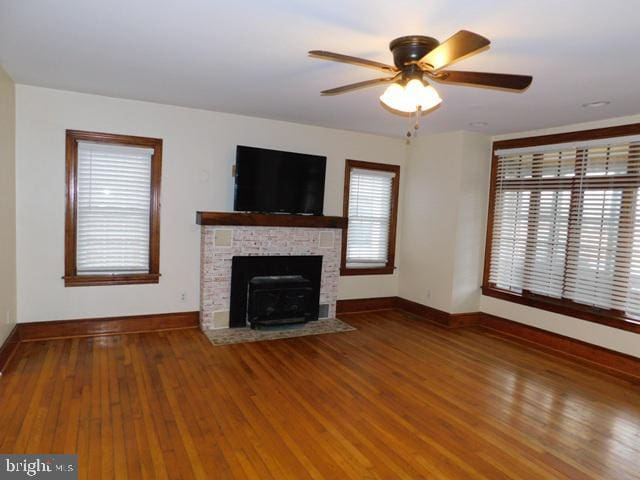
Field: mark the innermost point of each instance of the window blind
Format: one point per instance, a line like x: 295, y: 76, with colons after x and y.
x: 565, y: 223
x: 370, y: 197
x: 113, y: 209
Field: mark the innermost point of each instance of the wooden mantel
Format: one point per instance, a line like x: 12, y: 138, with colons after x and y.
x: 269, y: 220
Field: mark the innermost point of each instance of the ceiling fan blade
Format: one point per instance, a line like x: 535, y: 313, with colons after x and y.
x: 362, y: 62
x: 499, y: 80
x: 354, y: 86
x: 459, y: 45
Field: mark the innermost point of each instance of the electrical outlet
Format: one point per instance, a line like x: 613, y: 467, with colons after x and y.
x: 183, y: 297
x: 7, y: 317
x: 428, y: 293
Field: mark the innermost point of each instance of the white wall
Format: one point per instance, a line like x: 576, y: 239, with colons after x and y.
x: 443, y: 209
x: 447, y: 178
x: 473, y: 199
x: 612, y: 338
x: 7, y: 206
x: 199, y: 150
x: 429, y: 219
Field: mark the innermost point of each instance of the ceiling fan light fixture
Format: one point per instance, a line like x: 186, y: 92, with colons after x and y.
x: 410, y: 97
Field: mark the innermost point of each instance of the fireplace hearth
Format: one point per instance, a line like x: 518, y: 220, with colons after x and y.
x: 274, y: 290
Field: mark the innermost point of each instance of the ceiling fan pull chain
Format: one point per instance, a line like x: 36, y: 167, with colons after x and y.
x: 409, y: 134
x: 416, y: 125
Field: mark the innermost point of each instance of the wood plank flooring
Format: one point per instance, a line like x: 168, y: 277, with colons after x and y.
x: 398, y: 398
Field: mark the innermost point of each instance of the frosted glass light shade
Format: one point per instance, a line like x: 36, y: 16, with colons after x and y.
x: 408, y: 98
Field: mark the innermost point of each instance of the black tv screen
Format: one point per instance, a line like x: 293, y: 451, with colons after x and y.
x: 274, y: 181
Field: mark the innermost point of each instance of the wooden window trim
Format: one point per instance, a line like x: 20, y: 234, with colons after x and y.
x: 71, y: 278
x: 610, y: 318
x: 393, y: 224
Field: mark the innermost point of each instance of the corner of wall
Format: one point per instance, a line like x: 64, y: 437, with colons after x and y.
x: 8, y: 313
x: 475, y: 169
x: 429, y: 220
x: 443, y: 230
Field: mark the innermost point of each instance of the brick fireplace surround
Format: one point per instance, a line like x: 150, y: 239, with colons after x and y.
x: 220, y: 243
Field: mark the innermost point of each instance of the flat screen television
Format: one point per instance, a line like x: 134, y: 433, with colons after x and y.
x: 272, y: 181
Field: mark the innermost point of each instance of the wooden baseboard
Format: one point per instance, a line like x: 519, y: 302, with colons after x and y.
x: 469, y: 319
x: 8, y: 348
x: 424, y: 311
x: 91, y: 327
x: 613, y: 362
x: 359, y: 305
x: 449, y: 320
x: 610, y: 361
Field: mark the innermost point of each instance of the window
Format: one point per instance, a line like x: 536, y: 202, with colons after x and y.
x: 564, y: 224
x: 371, y: 204
x: 112, y: 225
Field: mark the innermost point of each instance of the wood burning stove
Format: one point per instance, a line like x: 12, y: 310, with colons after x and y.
x: 274, y: 290
x: 279, y: 300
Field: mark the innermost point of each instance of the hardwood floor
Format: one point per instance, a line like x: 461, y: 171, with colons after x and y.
x: 398, y: 398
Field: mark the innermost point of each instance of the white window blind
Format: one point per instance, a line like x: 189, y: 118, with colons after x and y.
x: 370, y: 197
x: 113, y: 209
x: 565, y: 223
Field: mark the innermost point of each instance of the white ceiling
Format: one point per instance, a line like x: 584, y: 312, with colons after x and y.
x: 250, y: 57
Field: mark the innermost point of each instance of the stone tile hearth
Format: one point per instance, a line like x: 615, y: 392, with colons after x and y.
x: 324, y: 326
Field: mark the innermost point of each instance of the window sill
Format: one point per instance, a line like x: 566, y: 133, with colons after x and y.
x: 388, y: 270
x: 95, y: 280
x: 567, y: 307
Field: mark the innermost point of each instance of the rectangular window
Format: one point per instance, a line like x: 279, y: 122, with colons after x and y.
x: 371, y: 205
x: 563, y: 224
x: 112, y: 224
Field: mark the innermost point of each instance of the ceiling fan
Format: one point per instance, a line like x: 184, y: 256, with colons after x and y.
x: 418, y: 59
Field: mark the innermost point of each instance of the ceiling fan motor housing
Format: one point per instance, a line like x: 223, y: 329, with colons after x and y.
x: 411, y: 49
